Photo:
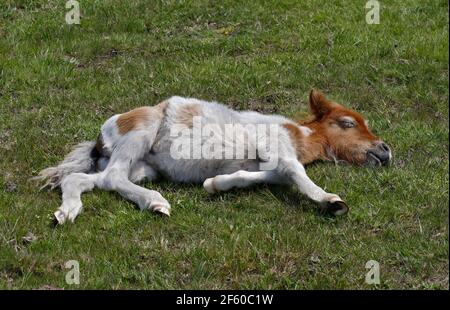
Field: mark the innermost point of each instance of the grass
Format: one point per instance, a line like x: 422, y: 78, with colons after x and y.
x: 58, y: 83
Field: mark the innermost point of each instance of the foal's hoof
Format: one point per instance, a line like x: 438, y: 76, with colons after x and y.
x: 337, y: 207
x: 161, y: 209
x: 209, y: 186
x: 59, y: 218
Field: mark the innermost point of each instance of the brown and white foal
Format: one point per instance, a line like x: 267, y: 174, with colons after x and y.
x: 189, y: 140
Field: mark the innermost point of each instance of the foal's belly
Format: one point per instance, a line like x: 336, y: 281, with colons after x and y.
x: 196, y: 170
x: 184, y: 166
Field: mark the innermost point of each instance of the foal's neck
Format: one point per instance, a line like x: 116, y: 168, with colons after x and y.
x: 309, y: 147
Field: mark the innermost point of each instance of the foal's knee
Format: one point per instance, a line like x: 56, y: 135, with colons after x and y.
x: 77, y: 183
x: 111, y: 179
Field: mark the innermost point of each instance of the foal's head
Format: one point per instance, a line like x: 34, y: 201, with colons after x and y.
x: 345, y: 133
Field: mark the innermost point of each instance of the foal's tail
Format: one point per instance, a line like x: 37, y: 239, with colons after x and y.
x: 82, y: 158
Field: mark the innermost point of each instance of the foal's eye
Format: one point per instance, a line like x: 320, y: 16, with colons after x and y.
x: 346, y: 124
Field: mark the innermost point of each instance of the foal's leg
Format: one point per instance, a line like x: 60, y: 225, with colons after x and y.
x: 142, y: 171
x: 116, y: 176
x: 113, y: 178
x: 240, y: 179
x: 72, y: 187
x: 295, y: 173
x: 125, y: 162
x: 77, y: 183
x: 139, y: 172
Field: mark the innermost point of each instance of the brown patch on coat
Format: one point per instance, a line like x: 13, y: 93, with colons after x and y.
x: 308, y: 149
x: 186, y: 113
x: 139, y: 117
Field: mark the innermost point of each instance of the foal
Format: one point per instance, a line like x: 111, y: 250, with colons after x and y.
x: 169, y: 140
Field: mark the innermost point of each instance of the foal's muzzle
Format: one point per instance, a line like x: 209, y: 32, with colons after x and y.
x: 380, y: 155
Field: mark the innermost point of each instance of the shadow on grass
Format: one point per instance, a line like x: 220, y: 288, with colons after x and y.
x: 295, y: 200
x: 285, y: 194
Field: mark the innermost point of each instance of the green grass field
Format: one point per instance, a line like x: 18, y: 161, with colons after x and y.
x: 60, y: 82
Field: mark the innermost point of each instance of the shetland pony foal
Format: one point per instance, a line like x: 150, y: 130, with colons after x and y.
x: 138, y: 145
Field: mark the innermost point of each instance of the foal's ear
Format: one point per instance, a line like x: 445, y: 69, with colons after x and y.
x: 319, y: 104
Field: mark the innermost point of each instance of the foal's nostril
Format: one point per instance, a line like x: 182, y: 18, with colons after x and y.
x: 381, y: 152
x: 384, y: 153
x: 384, y: 147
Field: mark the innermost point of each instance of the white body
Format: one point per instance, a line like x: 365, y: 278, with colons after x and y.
x: 145, y: 153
